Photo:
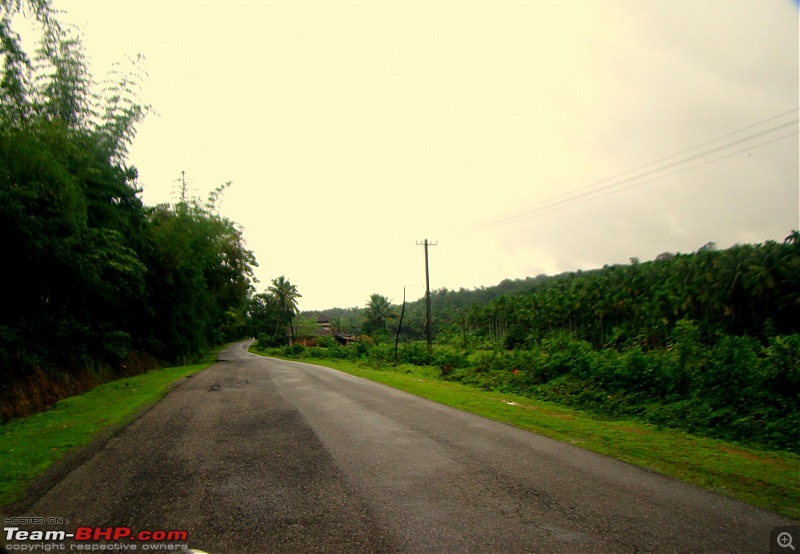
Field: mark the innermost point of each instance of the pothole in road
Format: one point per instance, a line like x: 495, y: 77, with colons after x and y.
x: 229, y: 384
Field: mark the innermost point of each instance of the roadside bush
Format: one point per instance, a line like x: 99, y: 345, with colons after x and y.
x: 318, y: 352
x: 731, y: 374
x: 527, y: 367
x: 565, y: 354
x: 415, y: 353
x: 327, y: 342
x: 782, y: 368
x: 294, y: 351
x: 493, y: 380
x: 448, y: 360
x: 265, y: 341
x: 379, y: 354
x: 649, y: 374
x: 341, y: 352
x: 487, y: 361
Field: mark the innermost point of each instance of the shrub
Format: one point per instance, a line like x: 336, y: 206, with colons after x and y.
x: 294, y: 351
x: 318, y: 352
x: 267, y: 341
x: 782, y: 367
x: 380, y: 354
x: 327, y: 342
x: 648, y: 373
x: 361, y: 346
x: 415, y: 353
x: 732, y: 370
x: 447, y: 360
x: 565, y: 354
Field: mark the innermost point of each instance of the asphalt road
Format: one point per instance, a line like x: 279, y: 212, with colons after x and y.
x: 257, y: 455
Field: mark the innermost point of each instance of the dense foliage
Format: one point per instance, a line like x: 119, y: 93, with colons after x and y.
x: 91, y: 273
x: 271, y: 314
x: 751, y: 290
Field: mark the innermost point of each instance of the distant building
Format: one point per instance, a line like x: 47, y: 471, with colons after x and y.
x: 324, y: 323
x: 323, y: 329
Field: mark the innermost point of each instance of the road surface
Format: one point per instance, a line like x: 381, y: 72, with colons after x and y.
x: 257, y: 455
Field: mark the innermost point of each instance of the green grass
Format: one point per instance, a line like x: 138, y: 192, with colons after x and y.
x: 30, y: 445
x: 766, y: 479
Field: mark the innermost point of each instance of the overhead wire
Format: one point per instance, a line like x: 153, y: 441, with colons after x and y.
x: 599, y: 193
x: 592, y: 190
x: 616, y: 186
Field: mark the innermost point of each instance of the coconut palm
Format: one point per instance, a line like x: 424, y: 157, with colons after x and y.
x: 379, y: 310
x: 286, y: 296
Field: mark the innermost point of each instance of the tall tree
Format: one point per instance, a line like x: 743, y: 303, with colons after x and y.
x: 378, y: 312
x: 93, y: 272
x: 286, y: 296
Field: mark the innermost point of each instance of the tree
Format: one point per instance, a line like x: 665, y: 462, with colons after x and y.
x: 93, y: 272
x: 69, y: 204
x: 68, y: 209
x: 286, y: 296
x: 378, y: 312
x: 198, y: 272
x: 306, y: 327
x: 261, y: 313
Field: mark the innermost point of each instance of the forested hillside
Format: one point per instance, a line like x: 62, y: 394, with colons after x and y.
x: 96, y: 283
x: 748, y: 289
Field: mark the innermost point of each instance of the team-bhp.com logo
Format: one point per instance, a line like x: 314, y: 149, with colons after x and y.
x: 117, y: 534
x: 95, y: 539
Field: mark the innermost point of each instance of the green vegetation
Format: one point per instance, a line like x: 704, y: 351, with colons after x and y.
x: 29, y: 445
x: 765, y: 479
x: 378, y: 313
x: 736, y: 390
x: 270, y: 314
x: 96, y: 277
x: 707, y: 342
x: 750, y: 289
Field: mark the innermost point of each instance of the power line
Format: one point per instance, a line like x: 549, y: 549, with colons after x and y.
x: 685, y: 150
x: 592, y: 190
x: 696, y: 146
x: 599, y: 193
x: 571, y: 199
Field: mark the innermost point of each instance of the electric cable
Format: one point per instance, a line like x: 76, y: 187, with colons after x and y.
x: 592, y: 190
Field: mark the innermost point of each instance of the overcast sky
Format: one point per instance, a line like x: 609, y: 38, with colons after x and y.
x: 519, y: 135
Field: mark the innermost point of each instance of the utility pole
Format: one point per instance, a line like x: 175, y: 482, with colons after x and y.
x: 428, y: 327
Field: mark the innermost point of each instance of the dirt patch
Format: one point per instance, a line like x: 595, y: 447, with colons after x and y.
x: 39, y: 390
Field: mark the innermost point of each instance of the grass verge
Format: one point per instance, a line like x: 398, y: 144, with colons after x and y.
x: 766, y: 479
x: 30, y: 445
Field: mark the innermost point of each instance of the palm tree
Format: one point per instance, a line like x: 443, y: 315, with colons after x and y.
x: 789, y: 268
x: 286, y: 296
x: 379, y: 311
